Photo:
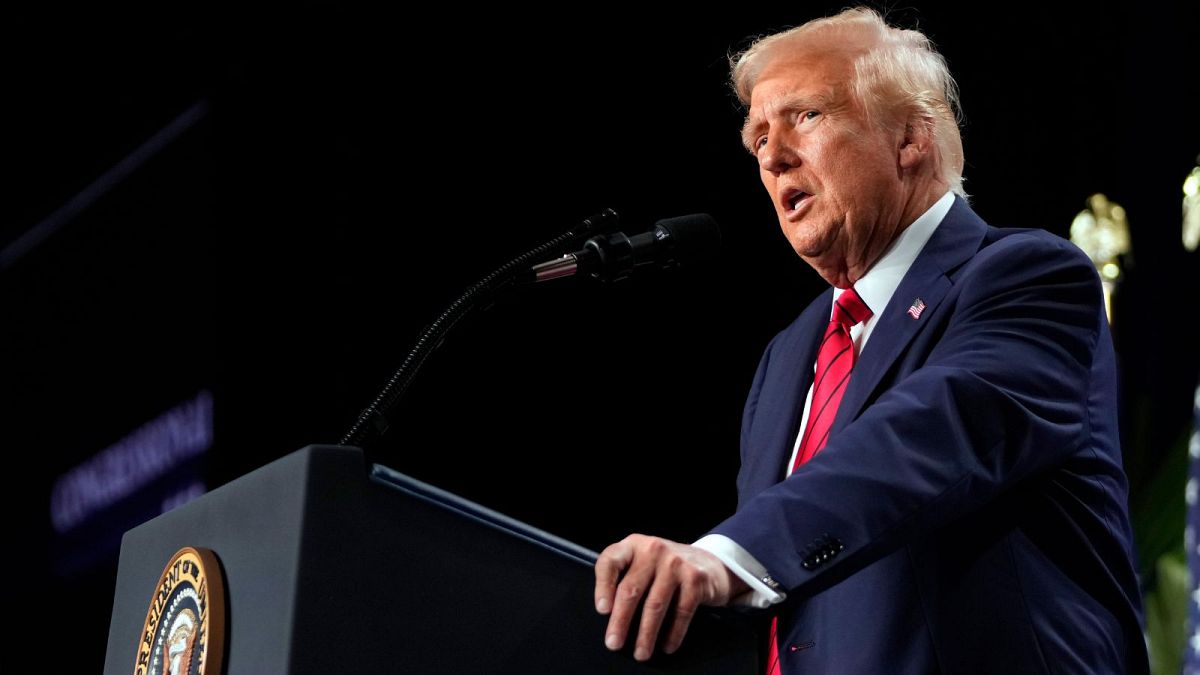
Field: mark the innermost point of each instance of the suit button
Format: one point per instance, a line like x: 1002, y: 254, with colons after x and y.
x: 822, y: 549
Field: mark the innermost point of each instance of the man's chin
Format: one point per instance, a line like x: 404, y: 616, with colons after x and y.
x: 812, y: 252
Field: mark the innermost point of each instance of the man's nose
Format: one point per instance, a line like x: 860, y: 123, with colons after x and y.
x: 777, y: 155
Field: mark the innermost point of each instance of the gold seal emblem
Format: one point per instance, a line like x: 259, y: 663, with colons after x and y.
x: 184, y: 632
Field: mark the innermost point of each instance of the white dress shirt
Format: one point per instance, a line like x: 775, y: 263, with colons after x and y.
x: 875, y: 288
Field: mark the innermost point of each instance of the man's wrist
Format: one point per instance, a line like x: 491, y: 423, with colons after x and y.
x: 753, y: 577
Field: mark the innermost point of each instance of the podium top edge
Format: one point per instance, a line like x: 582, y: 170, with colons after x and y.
x: 393, y: 479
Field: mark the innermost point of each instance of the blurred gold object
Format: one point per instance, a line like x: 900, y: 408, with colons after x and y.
x: 1191, y: 209
x: 1102, y: 231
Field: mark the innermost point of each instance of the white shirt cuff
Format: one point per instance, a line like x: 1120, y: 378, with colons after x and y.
x: 740, y: 562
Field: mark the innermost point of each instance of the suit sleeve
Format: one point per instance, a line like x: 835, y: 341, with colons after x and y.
x: 1001, y: 396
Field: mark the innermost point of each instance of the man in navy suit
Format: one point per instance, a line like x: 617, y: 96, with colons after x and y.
x: 966, y: 512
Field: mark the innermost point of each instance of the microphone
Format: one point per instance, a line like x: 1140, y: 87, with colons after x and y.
x: 612, y: 257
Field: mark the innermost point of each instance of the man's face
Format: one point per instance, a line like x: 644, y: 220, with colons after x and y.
x: 834, y: 178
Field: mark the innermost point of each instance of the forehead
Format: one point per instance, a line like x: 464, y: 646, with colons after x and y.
x: 816, y: 78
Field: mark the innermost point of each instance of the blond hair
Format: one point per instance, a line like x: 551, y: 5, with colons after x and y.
x: 897, y: 73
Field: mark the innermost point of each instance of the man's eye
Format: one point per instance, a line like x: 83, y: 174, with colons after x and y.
x: 811, y: 114
x: 760, y: 142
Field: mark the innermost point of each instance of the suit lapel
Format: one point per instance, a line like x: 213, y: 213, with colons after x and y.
x: 781, y: 402
x: 955, y: 240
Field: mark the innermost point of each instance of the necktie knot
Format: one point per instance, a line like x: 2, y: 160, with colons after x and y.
x: 850, y: 309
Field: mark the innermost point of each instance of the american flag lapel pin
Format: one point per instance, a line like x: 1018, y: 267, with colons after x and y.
x: 916, y: 308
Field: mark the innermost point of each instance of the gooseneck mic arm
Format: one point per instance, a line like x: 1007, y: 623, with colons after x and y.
x: 606, y: 256
x: 374, y: 420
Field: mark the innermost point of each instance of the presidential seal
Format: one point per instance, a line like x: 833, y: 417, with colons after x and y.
x: 184, y: 632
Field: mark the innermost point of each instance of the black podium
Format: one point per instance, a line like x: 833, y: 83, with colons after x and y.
x: 329, y: 568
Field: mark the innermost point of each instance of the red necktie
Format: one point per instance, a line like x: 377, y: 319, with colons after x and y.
x: 835, y: 360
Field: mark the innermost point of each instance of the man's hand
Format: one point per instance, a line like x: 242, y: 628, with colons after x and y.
x: 662, y: 571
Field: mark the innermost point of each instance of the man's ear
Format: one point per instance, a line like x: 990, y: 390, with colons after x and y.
x: 917, y: 143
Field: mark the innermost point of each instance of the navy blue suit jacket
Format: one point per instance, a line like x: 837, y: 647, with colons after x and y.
x: 968, y: 514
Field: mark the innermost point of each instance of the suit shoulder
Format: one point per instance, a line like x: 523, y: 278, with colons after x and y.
x: 1029, y: 267
x: 1022, y: 252
x: 1031, y: 241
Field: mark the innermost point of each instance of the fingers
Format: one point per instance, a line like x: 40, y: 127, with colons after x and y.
x: 663, y: 578
x: 628, y: 596
x: 609, y: 566
x: 654, y: 610
x: 674, y: 597
x: 685, y: 610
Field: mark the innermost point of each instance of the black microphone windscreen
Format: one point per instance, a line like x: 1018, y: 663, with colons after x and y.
x: 695, y: 237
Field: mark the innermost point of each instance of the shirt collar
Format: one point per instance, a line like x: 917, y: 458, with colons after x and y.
x: 880, y: 282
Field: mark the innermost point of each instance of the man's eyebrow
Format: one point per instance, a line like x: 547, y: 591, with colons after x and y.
x: 750, y: 130
x: 754, y: 123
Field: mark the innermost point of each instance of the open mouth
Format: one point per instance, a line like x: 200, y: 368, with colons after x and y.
x: 794, y: 199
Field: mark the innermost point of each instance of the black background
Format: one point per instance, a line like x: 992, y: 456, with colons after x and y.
x: 358, y: 167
